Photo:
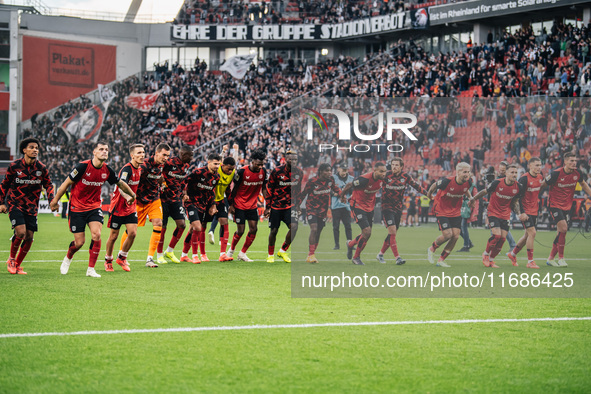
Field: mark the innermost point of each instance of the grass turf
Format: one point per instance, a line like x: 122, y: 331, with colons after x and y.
x: 482, y: 357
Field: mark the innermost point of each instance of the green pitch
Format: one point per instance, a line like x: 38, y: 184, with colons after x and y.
x: 551, y: 356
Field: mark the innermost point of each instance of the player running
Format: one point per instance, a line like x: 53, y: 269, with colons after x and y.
x: 122, y: 213
x: 86, y: 180
x: 504, y: 194
x: 149, y: 205
x: 393, y: 190
x: 447, y: 206
x: 318, y: 190
x: 531, y: 184
x: 563, y: 183
x: 248, y: 183
x: 363, y: 202
x: 282, y: 187
x: 174, y: 172
x: 21, y: 188
x: 199, y: 200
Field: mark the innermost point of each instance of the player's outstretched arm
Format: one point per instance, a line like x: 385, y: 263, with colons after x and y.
x: 431, y: 190
x: 130, y: 198
x: 478, y: 196
x: 586, y: 188
x: 54, y: 204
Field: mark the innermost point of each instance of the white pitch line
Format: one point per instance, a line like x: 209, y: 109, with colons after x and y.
x: 312, y: 325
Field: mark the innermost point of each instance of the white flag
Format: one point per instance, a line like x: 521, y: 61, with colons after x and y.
x: 308, y: 76
x: 106, y: 93
x: 223, y: 114
x: 237, y: 66
x: 86, y: 125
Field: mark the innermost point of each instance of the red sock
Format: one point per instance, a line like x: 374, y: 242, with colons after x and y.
x: 355, y: 241
x: 23, y: 251
x: 235, y: 240
x: 554, y: 249
x: 434, y: 246
x: 16, y: 242
x: 224, y: 239
x: 394, y: 246
x: 517, y: 249
x: 95, y: 249
x: 202, y: 241
x: 195, y: 241
x: 71, y: 250
x: 444, y: 255
x: 187, y: 242
x: 497, y: 248
x: 249, y: 240
x: 360, y: 247
x: 312, y: 249
x: 530, y: 254
x: 385, y: 245
x: 561, y: 242
x: 160, y: 247
x: 271, y: 250
x: 176, y: 237
x: 492, y: 241
x: 285, y: 246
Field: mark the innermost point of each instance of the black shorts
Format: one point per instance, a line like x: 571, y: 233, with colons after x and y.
x: 532, y: 221
x: 316, y: 219
x: 241, y: 215
x: 391, y: 218
x: 558, y: 214
x: 279, y: 215
x: 196, y: 215
x: 447, y: 223
x: 222, y: 208
x: 17, y: 218
x: 116, y: 222
x: 78, y: 220
x: 364, y: 219
x: 412, y: 211
x: 494, y: 221
x: 174, y: 210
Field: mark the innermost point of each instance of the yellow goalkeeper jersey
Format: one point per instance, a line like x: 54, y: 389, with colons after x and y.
x: 225, y: 180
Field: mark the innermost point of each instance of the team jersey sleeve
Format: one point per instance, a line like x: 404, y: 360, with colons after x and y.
x: 442, y: 184
x: 78, y: 172
x: 5, y: 185
x: 307, y: 189
x: 126, y: 174
x: 271, y: 184
x: 552, y: 177
x: 47, y: 185
x: 493, y: 186
x: 360, y: 183
x: 415, y: 185
x: 112, y: 176
x: 236, y: 181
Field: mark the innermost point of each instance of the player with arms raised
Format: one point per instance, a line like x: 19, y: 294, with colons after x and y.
x: 363, y: 202
x: 393, y: 190
x: 447, y: 206
x: 563, y: 183
x: 282, y: 187
x: 531, y: 183
x: 87, y: 179
x: 21, y: 188
x: 122, y: 213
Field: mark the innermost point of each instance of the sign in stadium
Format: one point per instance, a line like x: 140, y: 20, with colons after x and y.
x: 458, y: 12
x: 374, y: 25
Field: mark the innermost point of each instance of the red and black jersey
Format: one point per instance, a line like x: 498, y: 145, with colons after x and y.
x: 319, y: 193
x: 247, y: 187
x: 282, y: 186
x: 500, y: 197
x: 130, y: 175
x: 86, y: 191
x: 562, y: 188
x: 21, y: 188
x: 393, y: 190
x: 200, y: 188
x: 364, y: 192
x: 149, y: 188
x: 449, y: 197
x: 530, y: 189
x: 174, y: 173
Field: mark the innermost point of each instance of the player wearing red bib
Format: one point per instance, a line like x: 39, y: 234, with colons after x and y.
x: 447, y: 206
x: 87, y: 180
x: 248, y: 183
x: 563, y: 183
x: 21, y: 188
x: 504, y: 194
x: 363, y: 202
x: 123, y: 214
x: 531, y: 184
x: 319, y: 191
x: 393, y: 191
x: 282, y: 188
